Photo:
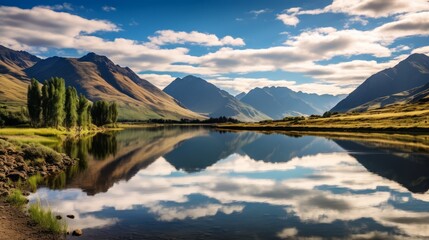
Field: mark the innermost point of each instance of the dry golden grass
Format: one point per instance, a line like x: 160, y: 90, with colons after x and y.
x: 398, y: 117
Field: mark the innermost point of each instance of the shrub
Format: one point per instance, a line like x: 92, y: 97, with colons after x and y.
x: 5, y: 144
x: 46, y: 219
x: 16, y: 198
x: 34, y: 151
x: 34, y: 180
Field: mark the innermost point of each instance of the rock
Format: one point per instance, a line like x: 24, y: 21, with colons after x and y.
x: 58, y: 217
x: 70, y: 216
x: 15, y: 176
x: 2, y: 176
x: 26, y: 193
x: 4, y: 192
x: 77, y: 232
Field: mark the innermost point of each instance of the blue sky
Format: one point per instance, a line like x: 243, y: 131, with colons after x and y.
x: 323, y: 46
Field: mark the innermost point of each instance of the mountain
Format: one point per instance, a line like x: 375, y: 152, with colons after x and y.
x: 98, y: 78
x: 278, y: 102
x: 13, y: 80
x: 415, y: 95
x: 203, y: 97
x: 240, y: 95
x: 410, y: 73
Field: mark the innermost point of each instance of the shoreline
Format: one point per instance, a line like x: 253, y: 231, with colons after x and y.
x: 22, y: 167
x: 260, y: 127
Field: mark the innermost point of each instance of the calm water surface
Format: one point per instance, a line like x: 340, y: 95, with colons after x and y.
x: 196, y: 183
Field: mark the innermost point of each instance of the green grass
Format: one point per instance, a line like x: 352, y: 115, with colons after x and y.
x: 34, y: 181
x: 16, y: 198
x: 46, y: 219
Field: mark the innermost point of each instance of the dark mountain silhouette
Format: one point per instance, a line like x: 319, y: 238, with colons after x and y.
x: 408, y: 74
x: 203, y: 97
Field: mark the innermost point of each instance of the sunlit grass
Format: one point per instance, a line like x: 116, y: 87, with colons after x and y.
x: 46, y: 219
x: 34, y: 181
x: 16, y: 198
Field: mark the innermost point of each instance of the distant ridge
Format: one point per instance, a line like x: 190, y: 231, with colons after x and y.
x: 203, y: 97
x: 278, y: 102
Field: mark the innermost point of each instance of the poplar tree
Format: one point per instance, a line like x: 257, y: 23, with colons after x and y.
x: 82, y: 112
x: 34, y: 103
x: 113, y: 112
x: 70, y: 107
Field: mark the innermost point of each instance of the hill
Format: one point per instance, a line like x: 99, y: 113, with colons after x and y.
x: 418, y: 94
x: 95, y: 76
x: 203, y: 97
x: 408, y: 74
x: 13, y: 80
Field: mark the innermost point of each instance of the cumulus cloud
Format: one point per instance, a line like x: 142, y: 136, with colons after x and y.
x: 360, y: 8
x: 241, y: 84
x: 159, y: 80
x: 164, y: 37
x: 288, y: 19
x: 21, y: 28
x: 302, y: 53
x: 424, y: 50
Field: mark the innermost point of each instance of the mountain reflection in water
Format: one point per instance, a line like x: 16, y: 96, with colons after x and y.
x: 187, y: 183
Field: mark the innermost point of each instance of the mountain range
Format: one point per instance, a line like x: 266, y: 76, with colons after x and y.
x: 404, y: 83
x: 278, y: 102
x: 95, y: 76
x: 205, y: 98
x: 98, y: 78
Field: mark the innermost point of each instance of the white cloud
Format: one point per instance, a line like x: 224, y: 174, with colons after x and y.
x: 354, y: 20
x: 256, y: 13
x: 240, y: 84
x: 424, y: 50
x: 360, y: 9
x: 181, y: 213
x: 164, y: 37
x: 159, y: 80
x: 21, y: 28
x: 288, y: 233
x: 288, y: 19
x: 108, y: 8
x: 376, y: 8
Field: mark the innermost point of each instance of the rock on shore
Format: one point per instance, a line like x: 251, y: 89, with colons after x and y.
x: 19, y: 162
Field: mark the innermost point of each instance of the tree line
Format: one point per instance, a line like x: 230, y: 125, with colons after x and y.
x: 54, y: 105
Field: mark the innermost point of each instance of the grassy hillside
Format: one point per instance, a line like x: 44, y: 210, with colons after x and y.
x: 400, y: 117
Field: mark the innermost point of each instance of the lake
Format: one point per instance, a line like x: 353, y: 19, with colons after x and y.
x: 198, y: 183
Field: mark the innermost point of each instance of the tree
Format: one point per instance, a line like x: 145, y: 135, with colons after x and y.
x: 113, y: 112
x: 70, y: 107
x: 82, y: 112
x: 34, y: 103
x: 100, y: 113
x: 103, y: 113
x: 53, y: 100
